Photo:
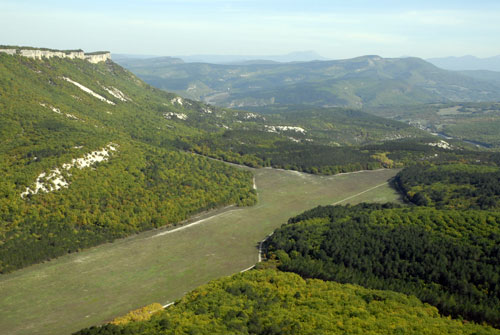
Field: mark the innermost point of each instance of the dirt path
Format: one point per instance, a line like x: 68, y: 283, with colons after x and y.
x: 358, y: 194
x: 193, y: 223
x: 87, y: 288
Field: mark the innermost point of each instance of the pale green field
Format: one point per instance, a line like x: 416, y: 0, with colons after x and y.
x: 96, y: 285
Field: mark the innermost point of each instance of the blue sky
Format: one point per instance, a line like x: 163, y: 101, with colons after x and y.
x: 335, y: 29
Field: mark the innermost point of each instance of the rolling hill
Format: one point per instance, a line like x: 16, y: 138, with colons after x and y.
x: 361, y: 82
x: 475, y: 122
x: 91, y: 153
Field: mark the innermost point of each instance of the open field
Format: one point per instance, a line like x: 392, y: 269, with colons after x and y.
x: 90, y: 287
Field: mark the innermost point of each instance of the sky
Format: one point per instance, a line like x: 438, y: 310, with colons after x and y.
x: 334, y: 29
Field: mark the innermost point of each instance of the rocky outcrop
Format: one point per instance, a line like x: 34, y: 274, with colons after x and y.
x: 8, y: 51
x: 98, y: 57
x: 39, y: 54
x: 94, y: 57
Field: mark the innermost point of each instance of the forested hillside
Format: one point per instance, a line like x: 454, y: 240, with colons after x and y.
x: 273, y: 302
x: 367, y: 81
x: 88, y: 156
x: 457, y: 104
x: 66, y: 122
x: 452, y: 186
x: 477, y: 122
x: 444, y: 257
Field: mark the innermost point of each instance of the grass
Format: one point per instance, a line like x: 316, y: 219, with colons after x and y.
x: 96, y: 285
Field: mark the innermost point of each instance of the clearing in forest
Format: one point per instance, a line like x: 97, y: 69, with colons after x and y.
x: 96, y: 285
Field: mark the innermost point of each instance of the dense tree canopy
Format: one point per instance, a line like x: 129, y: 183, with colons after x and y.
x: 47, y: 122
x: 451, y: 185
x: 446, y: 258
x: 273, y: 302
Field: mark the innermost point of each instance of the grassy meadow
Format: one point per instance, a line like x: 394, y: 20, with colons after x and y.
x: 96, y: 285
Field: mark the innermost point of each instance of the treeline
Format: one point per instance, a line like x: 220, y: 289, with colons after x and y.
x: 255, y: 148
x: 451, y: 185
x: 273, y: 303
x: 447, y: 258
x: 261, y: 149
x: 315, y: 159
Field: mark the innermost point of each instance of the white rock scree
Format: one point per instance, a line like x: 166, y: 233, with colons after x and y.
x: 54, y: 180
x: 89, y: 91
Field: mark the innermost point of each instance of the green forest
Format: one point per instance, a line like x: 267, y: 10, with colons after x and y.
x: 56, y: 111
x: 439, y: 257
x: 258, y: 149
x: 47, y: 123
x: 458, y: 186
x: 447, y: 258
x: 90, y: 153
x: 273, y: 302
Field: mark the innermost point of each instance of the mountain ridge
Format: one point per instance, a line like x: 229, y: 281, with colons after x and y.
x: 364, y: 81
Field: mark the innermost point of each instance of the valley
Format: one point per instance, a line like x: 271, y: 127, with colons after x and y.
x: 474, y: 122
x: 116, y: 194
x: 98, y: 284
x: 361, y: 82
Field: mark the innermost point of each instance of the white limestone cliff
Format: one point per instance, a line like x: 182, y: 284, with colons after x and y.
x: 8, y: 51
x: 95, y: 57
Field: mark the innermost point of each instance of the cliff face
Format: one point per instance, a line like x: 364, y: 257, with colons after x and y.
x: 8, y: 51
x: 39, y: 54
x: 95, y: 57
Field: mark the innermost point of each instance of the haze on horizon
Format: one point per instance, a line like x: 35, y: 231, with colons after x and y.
x: 334, y: 29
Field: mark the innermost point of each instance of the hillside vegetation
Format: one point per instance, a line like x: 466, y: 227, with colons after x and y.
x: 272, y: 302
x: 87, y: 156
x: 452, y: 186
x: 474, y: 122
x: 98, y: 284
x: 366, y: 81
x: 90, y: 153
x: 446, y: 258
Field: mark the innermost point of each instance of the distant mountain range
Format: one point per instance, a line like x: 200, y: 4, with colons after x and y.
x: 467, y: 63
x: 368, y: 81
x: 297, y: 56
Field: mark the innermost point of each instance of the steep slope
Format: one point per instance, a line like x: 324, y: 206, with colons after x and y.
x: 87, y: 156
x: 358, y: 82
